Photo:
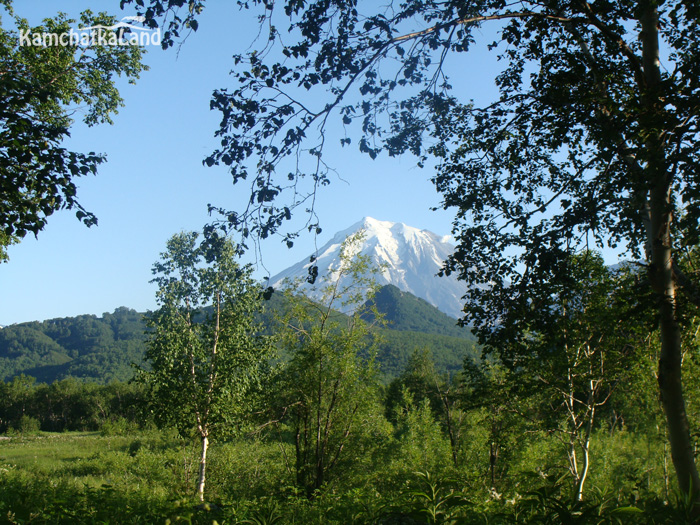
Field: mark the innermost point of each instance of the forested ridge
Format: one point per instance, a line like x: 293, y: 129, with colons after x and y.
x: 103, y: 349
x: 86, y: 347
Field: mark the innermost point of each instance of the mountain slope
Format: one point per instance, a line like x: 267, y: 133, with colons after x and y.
x: 406, y: 312
x: 90, y: 348
x: 413, y: 324
x: 412, y: 259
x: 101, y: 349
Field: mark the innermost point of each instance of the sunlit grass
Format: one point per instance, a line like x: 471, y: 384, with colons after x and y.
x: 149, y: 477
x: 54, y: 452
x: 109, y: 478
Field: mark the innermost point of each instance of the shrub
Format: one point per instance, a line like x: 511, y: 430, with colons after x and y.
x: 118, y: 427
x: 26, y: 425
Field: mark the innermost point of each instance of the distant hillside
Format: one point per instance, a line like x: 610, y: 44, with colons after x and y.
x: 102, y: 349
x: 414, y: 323
x: 87, y: 347
x: 406, y: 312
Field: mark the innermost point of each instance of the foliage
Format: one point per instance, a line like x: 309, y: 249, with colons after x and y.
x: 5, y: 241
x: 578, y: 352
x: 147, y: 476
x: 549, y: 503
x: 71, y: 405
x: 417, y: 383
x: 26, y: 425
x: 591, y: 140
x: 327, y: 392
x: 374, y: 67
x: 406, y: 312
x: 396, y: 347
x: 41, y: 87
x: 420, y: 440
x: 103, y: 349
x: 203, y: 363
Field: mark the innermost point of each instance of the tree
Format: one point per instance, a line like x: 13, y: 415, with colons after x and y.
x: 590, y: 141
x: 420, y: 378
x: 583, y: 346
x: 16, y: 400
x: 328, y: 391
x: 5, y: 241
x: 41, y: 87
x: 488, y: 387
x: 424, y: 385
x: 204, y: 346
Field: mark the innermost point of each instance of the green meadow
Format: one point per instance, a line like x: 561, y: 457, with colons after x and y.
x: 147, y: 476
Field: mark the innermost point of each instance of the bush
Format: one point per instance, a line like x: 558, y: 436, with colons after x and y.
x: 118, y: 427
x: 26, y: 425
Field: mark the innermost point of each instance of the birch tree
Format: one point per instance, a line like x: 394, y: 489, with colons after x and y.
x: 583, y: 346
x: 204, y: 346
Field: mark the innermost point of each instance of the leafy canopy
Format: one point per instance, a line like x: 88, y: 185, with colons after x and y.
x: 41, y: 88
x: 558, y: 161
x: 204, y: 346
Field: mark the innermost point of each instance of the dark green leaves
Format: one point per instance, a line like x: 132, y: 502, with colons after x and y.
x: 41, y: 86
x: 204, y: 347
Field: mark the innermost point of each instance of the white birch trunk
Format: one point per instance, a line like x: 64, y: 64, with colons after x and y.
x: 202, y: 468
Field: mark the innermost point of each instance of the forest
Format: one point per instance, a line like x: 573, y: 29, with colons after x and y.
x: 104, y: 349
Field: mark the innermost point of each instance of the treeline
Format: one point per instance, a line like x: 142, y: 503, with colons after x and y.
x: 480, y: 438
x: 560, y: 424
x: 477, y: 436
x: 27, y: 406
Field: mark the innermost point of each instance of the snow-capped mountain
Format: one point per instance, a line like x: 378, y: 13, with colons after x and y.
x: 412, y: 257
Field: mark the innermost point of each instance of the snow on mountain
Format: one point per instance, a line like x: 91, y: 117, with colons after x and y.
x: 412, y: 257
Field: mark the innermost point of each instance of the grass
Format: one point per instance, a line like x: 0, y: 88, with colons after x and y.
x: 52, y: 452
x: 146, y: 477
x: 149, y: 477
x: 89, y: 478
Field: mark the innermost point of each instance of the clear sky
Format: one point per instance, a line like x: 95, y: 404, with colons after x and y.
x: 154, y: 185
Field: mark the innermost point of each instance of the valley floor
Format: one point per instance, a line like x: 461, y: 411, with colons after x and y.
x: 148, y: 476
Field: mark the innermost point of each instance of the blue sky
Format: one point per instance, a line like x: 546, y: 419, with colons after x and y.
x: 154, y: 185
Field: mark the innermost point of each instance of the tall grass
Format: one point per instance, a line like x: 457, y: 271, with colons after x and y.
x: 149, y: 477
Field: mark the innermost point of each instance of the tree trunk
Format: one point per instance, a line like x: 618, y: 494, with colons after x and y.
x: 493, y: 459
x: 661, y: 269
x: 578, y: 496
x: 202, y: 468
x: 586, y: 449
x: 451, y: 430
x: 671, y: 390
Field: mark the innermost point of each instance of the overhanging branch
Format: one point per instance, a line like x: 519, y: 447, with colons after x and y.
x: 484, y: 18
